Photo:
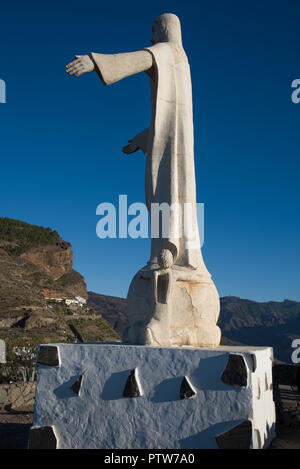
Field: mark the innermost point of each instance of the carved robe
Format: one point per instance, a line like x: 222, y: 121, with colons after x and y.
x: 168, y: 142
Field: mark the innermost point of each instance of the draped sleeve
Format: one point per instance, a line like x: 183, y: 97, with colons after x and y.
x: 114, y: 67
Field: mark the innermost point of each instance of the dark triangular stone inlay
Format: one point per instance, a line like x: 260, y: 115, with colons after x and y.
x: 77, y: 385
x: 235, y: 373
x: 42, y: 438
x: 186, y: 391
x: 48, y: 355
x: 239, y: 437
x: 131, y: 387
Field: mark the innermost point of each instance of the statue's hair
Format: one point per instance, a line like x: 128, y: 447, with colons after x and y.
x: 170, y: 28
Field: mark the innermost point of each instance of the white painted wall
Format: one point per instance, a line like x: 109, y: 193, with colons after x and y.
x: 100, y: 417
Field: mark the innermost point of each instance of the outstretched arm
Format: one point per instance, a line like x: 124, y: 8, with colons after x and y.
x: 114, y: 67
x: 111, y: 67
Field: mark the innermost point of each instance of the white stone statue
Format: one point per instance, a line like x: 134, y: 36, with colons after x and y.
x: 172, y: 300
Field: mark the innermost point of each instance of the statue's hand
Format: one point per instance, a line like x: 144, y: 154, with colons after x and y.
x: 82, y: 64
x: 131, y: 148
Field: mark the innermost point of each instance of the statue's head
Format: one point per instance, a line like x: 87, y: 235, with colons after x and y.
x: 166, y: 28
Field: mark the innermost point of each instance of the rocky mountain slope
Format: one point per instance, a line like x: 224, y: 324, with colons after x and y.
x: 112, y: 308
x: 268, y: 323
x: 39, y: 287
x: 242, y: 321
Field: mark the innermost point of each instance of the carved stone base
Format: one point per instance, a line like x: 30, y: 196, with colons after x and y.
x: 173, y: 306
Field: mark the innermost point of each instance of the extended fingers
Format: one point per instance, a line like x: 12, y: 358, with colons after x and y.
x: 75, y: 68
x: 71, y: 64
x: 74, y: 71
x: 78, y: 61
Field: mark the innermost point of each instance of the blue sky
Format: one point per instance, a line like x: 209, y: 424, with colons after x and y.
x: 61, y: 137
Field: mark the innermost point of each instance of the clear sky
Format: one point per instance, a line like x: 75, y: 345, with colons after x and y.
x: 61, y: 137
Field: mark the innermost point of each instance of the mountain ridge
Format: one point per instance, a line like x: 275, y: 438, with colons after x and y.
x: 242, y: 321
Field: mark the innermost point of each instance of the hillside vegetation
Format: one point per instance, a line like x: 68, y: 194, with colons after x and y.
x: 17, y: 237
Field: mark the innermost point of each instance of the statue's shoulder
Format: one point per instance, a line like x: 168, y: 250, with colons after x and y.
x: 168, y: 49
x: 159, y: 48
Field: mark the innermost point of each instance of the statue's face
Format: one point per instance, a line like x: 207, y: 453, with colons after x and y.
x: 156, y: 33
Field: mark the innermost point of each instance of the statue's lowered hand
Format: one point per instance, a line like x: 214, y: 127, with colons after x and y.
x: 131, y: 148
x: 82, y: 64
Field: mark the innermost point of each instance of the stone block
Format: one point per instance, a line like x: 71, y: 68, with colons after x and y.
x: 3, y: 396
x: 29, y: 398
x: 26, y: 389
x: 165, y: 414
x: 19, y: 402
x: 14, y: 393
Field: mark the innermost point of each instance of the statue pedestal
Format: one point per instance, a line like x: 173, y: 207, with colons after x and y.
x: 173, y: 306
x: 111, y: 395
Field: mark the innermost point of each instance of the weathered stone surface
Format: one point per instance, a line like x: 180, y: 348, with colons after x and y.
x: 132, y: 388
x: 17, y: 394
x: 29, y: 398
x: 77, y: 385
x: 186, y: 389
x: 42, y: 438
x: 14, y: 394
x: 56, y: 260
x: 235, y: 372
x: 48, y: 355
x: 3, y: 396
x: 238, y: 437
x: 172, y: 308
x: 27, y: 389
x: 18, y: 402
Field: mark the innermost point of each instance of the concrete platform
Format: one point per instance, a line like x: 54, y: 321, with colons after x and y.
x: 116, y: 396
